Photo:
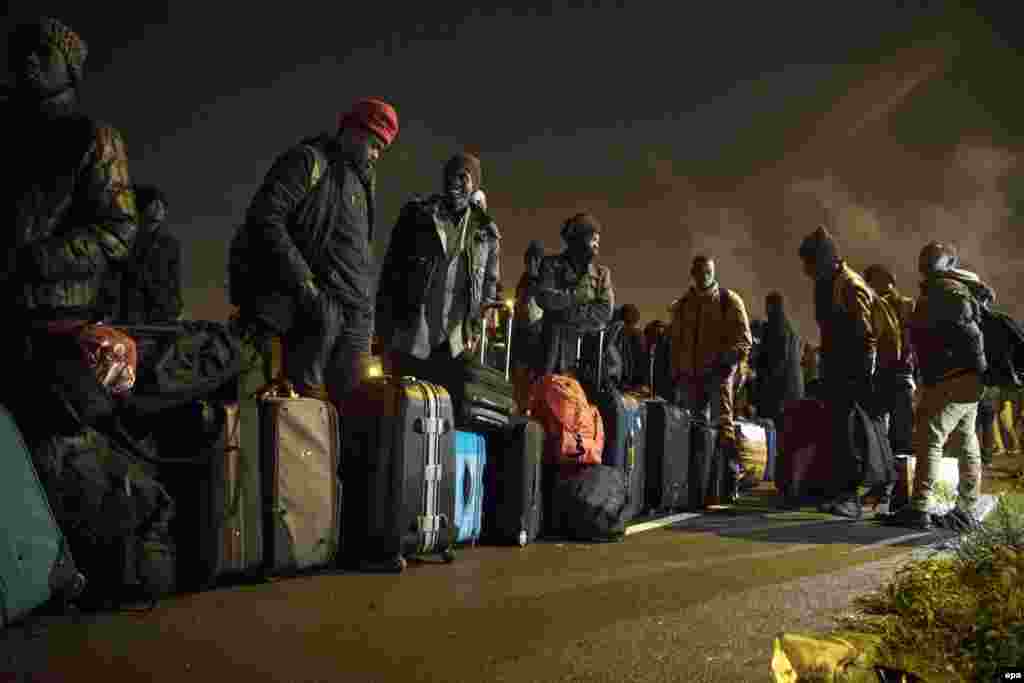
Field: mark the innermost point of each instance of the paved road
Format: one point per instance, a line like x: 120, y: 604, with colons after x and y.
x: 699, y: 600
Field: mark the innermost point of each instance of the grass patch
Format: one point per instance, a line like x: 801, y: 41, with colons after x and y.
x: 962, y: 614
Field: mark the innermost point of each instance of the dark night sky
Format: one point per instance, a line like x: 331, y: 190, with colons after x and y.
x: 722, y: 129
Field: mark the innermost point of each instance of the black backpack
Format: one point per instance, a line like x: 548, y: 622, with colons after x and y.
x: 1004, y: 349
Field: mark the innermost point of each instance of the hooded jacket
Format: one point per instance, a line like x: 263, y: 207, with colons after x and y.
x: 70, y: 214
x: 706, y: 335
x: 946, y: 325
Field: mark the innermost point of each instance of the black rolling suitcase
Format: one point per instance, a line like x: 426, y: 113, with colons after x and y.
x: 704, y: 472
x: 624, y: 418
x: 513, y: 498
x: 483, y: 397
x: 667, y: 457
x: 398, y: 473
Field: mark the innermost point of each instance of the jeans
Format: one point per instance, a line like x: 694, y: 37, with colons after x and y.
x: 895, y: 393
x: 949, y: 406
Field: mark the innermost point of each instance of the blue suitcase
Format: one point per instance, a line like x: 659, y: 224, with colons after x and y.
x: 773, y: 445
x: 470, y: 463
x: 35, y: 561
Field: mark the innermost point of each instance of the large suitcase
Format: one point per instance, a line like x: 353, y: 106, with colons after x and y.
x: 667, y: 457
x: 399, y: 473
x: 299, y: 458
x: 470, y: 463
x: 803, y: 466
x: 232, y: 507
x: 35, y: 561
x: 704, y: 471
x: 513, y: 503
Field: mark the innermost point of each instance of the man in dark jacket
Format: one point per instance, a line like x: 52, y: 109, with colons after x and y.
x: 843, y: 304
x: 634, y: 359
x: 575, y: 294
x: 146, y: 289
x: 779, y: 375
x: 70, y: 208
x: 949, y: 345
x: 310, y: 231
x: 440, y: 271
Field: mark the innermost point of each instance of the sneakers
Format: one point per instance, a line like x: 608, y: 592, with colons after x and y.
x: 958, y: 521
x: 849, y: 508
x: 909, y: 518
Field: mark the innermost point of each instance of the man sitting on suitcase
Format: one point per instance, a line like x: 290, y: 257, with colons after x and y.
x: 312, y: 219
x: 575, y: 294
x: 440, y: 270
x: 709, y: 337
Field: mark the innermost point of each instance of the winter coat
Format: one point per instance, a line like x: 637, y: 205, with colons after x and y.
x: 299, y: 231
x: 945, y: 327
x: 780, y: 376
x: 574, y: 303
x: 897, y: 360
x: 415, y: 258
x: 146, y: 289
x: 708, y: 336
x: 70, y: 214
x: 849, y: 345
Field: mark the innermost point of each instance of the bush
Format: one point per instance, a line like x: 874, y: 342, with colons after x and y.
x: 963, y: 613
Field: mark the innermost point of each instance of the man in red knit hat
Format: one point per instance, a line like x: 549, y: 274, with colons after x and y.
x: 302, y: 266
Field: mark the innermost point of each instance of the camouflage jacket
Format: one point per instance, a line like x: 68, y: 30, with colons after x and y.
x: 573, y: 303
x: 71, y: 215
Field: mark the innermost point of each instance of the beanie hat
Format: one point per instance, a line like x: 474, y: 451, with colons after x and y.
x: 374, y: 115
x: 463, y: 161
x: 580, y: 225
x: 58, y: 35
x: 820, y: 248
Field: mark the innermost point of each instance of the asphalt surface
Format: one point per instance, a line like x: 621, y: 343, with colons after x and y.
x: 696, y: 601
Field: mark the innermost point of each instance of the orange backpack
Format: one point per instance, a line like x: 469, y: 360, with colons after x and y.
x: 573, y: 427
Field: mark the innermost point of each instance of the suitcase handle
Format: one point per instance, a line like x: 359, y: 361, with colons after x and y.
x: 496, y: 307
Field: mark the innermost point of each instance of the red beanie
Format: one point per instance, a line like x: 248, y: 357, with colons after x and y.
x: 376, y: 116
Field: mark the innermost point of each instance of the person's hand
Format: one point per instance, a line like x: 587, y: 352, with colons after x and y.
x: 310, y: 299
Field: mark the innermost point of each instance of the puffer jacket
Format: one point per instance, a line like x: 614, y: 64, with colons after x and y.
x: 946, y: 326
x: 300, y: 229
x: 412, y: 261
x: 70, y: 215
x: 849, y: 343
x: 707, y: 335
x: 574, y: 303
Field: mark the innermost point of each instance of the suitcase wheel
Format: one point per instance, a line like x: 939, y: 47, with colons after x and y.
x: 448, y: 555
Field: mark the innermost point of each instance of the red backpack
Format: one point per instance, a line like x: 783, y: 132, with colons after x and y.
x: 573, y: 427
